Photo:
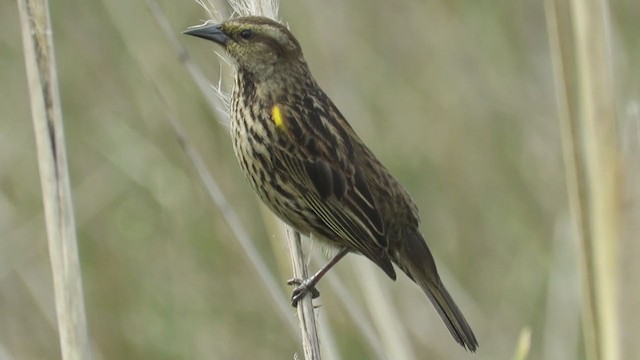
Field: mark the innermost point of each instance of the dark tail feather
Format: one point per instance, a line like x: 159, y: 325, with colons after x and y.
x: 414, y: 258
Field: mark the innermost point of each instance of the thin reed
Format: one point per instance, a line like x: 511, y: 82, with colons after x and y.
x: 580, y: 36
x: 54, y: 178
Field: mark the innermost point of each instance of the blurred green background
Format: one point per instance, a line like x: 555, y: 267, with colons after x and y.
x: 455, y: 97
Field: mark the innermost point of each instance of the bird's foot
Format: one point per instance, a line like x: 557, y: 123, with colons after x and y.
x: 303, y: 287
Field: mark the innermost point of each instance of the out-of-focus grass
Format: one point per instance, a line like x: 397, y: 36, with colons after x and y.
x: 455, y: 97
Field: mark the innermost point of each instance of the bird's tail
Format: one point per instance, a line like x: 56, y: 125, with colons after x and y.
x: 414, y: 258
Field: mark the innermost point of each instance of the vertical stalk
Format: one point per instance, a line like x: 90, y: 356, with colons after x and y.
x: 578, y: 33
x: 54, y: 177
x: 602, y: 159
x: 306, y: 313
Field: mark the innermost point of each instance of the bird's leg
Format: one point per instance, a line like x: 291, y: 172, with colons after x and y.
x: 309, y: 285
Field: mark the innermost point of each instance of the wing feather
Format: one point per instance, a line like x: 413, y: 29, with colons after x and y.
x: 330, y: 181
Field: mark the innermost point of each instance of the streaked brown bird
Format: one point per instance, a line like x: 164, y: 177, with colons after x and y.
x: 313, y: 171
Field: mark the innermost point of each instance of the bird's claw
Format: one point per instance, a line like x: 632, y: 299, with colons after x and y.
x: 303, y: 287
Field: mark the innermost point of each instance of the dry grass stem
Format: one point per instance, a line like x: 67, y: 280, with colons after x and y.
x: 579, y: 37
x: 559, y: 28
x: 54, y: 176
x: 306, y: 312
x: 602, y: 159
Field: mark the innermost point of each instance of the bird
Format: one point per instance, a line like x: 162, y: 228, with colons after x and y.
x: 310, y: 168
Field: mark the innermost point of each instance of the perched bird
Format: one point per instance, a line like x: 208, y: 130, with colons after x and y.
x: 313, y: 171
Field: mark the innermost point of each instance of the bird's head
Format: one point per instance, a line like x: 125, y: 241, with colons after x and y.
x: 256, y: 44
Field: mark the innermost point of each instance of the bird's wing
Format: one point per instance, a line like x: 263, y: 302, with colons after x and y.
x: 321, y: 158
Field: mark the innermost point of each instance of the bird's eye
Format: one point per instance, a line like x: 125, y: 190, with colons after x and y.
x: 246, y: 34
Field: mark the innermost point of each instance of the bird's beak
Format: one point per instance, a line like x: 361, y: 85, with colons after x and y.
x: 209, y: 32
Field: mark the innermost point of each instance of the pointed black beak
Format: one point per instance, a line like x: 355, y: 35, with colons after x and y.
x: 209, y: 32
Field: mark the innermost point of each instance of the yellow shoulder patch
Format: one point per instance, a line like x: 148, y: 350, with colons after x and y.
x: 276, y: 116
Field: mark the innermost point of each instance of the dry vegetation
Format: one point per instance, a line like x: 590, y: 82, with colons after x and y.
x: 457, y: 98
